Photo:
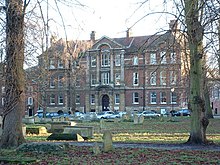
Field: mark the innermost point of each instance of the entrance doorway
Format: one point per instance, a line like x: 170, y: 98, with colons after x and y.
x: 105, y: 103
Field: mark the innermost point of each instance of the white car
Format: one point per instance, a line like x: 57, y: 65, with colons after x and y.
x: 149, y: 114
x: 105, y: 115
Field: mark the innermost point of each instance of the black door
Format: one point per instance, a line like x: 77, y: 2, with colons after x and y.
x: 105, y: 103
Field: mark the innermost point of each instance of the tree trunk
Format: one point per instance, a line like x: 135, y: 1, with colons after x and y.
x: 12, y: 135
x: 195, y: 32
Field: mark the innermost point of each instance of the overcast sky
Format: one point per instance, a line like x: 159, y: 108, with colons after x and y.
x: 108, y: 17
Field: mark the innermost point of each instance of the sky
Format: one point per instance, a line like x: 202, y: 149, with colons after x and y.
x: 107, y: 18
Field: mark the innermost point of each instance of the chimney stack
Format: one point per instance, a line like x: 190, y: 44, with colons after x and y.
x: 128, y: 33
x: 92, y: 36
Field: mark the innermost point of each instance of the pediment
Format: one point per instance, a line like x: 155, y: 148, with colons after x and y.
x: 111, y: 43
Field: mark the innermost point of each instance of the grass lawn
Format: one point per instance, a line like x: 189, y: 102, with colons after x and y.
x: 151, y: 131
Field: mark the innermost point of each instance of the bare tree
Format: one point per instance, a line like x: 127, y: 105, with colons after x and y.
x: 14, y: 78
x: 199, y: 21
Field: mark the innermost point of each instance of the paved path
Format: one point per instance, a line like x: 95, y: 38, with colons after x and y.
x: 151, y: 146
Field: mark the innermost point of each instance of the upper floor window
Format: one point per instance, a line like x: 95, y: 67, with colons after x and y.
x: 92, y: 99
x: 172, y: 57
x: 3, y: 89
x: 60, y: 99
x: 163, y: 78
x: 52, y: 64
x: 30, y: 101
x: 3, y: 99
x: 153, y: 59
x: 135, y: 98
x: 30, y: 89
x: 163, y: 57
x: 135, y: 60
x: 60, y: 63
x: 52, y: 82
x: 52, y: 99
x: 135, y: 78
x: 153, y: 98
x: 105, y: 78
x: 173, y: 97
x: 163, y: 98
x: 105, y: 58
x: 77, y: 81
x: 93, y: 79
x: 216, y: 92
x: 153, y: 78
x: 93, y: 61
x: 117, y: 98
x: 117, y: 78
x: 117, y: 60
x: 173, y: 77
x: 77, y: 99
x: 60, y: 80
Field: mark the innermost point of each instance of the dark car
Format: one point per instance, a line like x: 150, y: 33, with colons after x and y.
x: 182, y: 112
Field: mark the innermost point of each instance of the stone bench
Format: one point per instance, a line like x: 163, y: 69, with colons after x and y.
x: 84, y: 131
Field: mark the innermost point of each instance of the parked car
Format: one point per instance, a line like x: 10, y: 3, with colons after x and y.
x: 39, y: 113
x: 120, y: 113
x: 51, y: 114
x: 88, y: 116
x: 149, y: 114
x: 105, y: 114
x: 182, y: 112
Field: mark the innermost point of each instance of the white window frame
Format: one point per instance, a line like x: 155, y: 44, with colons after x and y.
x: 92, y: 99
x: 153, y: 78
x: 163, y: 78
x: 117, y: 78
x: 118, y: 60
x: 78, y: 81
x: 105, y: 78
x: 52, y: 64
x: 60, y: 99
x: 3, y: 89
x: 52, y: 82
x: 153, y: 58
x: 135, y: 98
x: 173, y: 57
x: 135, y: 60
x: 52, y: 99
x: 77, y: 99
x: 60, y: 64
x: 173, y: 97
x: 93, y: 79
x: 60, y: 81
x: 135, y: 79
x: 93, y: 61
x: 105, y: 58
x: 163, y: 57
x: 30, y: 101
x: 163, y: 98
x: 153, y: 96
x: 117, y: 98
x: 3, y: 99
x: 173, y: 77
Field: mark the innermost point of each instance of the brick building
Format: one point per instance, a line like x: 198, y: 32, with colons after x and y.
x: 129, y: 73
